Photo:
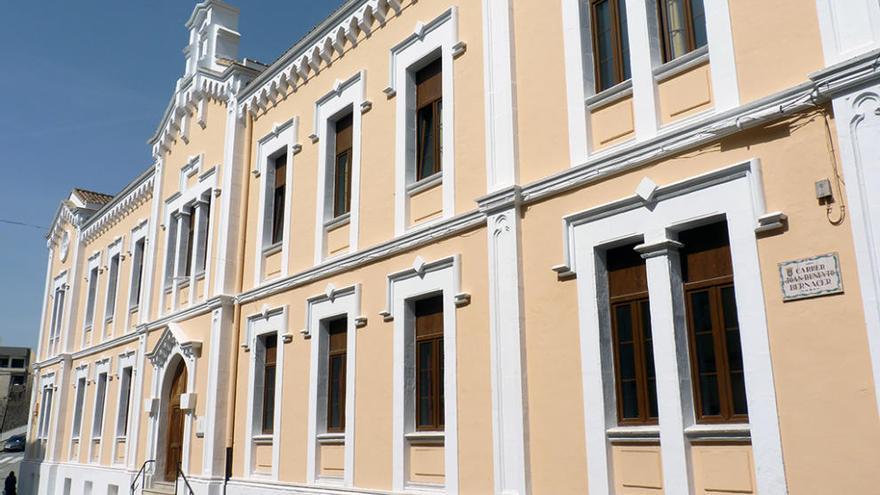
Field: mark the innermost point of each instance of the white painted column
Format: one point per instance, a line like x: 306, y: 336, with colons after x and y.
x: 216, y: 408
x: 642, y: 65
x: 858, y: 131
x: 670, y: 359
x: 135, y: 406
x: 232, y: 184
x: 578, y: 54
x: 181, y: 220
x: 510, y: 451
x: 151, y: 251
x: 719, y: 36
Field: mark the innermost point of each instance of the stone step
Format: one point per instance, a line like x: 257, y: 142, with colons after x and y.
x: 159, y: 488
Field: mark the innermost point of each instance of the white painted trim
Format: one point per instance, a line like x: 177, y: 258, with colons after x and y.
x: 102, y: 367
x: 440, y: 34
x: 94, y: 263
x: 334, y: 302
x: 137, y: 233
x: 641, y: 21
x: 234, y: 183
x: 270, y: 320
x: 46, y: 331
x: 151, y: 253
x: 114, y: 249
x: 403, y: 287
x: 735, y: 194
x: 348, y: 95
x: 857, y: 131
x: 282, y: 138
x: 79, y: 373
x: 722, y: 56
x: 848, y: 28
x: 502, y: 153
x: 127, y: 359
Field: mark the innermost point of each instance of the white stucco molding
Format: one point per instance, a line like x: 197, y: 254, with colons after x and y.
x: 136, y: 194
x: 423, y: 279
x: 333, y: 303
x: 848, y: 28
x: 732, y: 194
x: 438, y: 37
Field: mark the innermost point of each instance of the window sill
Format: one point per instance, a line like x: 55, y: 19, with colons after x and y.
x: 108, y: 319
x: 184, y: 282
x: 610, y: 95
x: 272, y: 249
x: 167, y: 289
x: 331, y: 438
x: 726, y: 431
x: 133, y: 309
x: 426, y: 437
x: 634, y: 433
x: 681, y: 64
x: 425, y: 184
x: 337, y: 222
x: 200, y: 275
x: 263, y: 439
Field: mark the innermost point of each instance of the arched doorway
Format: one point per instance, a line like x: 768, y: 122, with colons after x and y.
x: 174, y: 437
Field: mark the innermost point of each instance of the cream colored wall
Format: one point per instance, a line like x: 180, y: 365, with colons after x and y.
x: 685, y: 94
x: 637, y: 468
x: 542, y: 115
x: 613, y: 123
x: 776, y: 45
x: 378, y: 133
x: 373, y: 407
x: 819, y: 348
x: 720, y: 468
x: 56, y: 267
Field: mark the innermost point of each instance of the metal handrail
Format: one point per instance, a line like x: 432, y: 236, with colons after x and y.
x: 141, y: 472
x: 180, y: 474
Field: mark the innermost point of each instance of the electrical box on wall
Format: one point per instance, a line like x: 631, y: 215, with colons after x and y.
x: 823, y: 190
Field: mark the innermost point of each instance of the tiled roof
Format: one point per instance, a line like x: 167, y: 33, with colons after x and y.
x: 93, y: 197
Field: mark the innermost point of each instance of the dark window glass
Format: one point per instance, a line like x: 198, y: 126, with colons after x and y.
x: 137, y: 273
x: 683, y: 27
x: 278, y: 198
x: 203, y: 240
x: 713, y: 327
x: 190, y: 244
x: 430, y: 395
x: 429, y: 110
x: 337, y: 331
x: 610, y: 43
x: 93, y: 288
x: 342, y: 170
x: 270, y: 350
x: 635, y: 381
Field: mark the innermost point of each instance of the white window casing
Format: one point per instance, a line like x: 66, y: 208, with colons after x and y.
x: 137, y: 252
x: 59, y: 300
x: 344, y: 302
x: 423, y: 279
x: 114, y: 265
x: 81, y: 379
x: 430, y: 40
x: 346, y: 97
x: 92, y: 277
x: 269, y: 321
x: 101, y: 378
x: 655, y: 214
x: 280, y: 141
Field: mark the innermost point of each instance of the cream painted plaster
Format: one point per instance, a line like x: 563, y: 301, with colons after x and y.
x: 332, y: 460
x: 723, y: 469
x: 637, y: 469
x: 827, y: 333
x: 337, y: 240
x: 426, y: 464
x: 776, y: 45
x: 613, y: 123
x: 426, y: 205
x: 685, y: 94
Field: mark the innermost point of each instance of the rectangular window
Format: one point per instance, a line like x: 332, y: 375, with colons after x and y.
x: 57, y: 314
x: 78, y: 410
x: 17, y: 363
x: 46, y: 415
x: 342, y: 170
x: 610, y: 43
x: 682, y: 26
x: 137, y: 273
x: 112, y: 283
x: 124, y: 402
x: 4, y: 362
x: 90, y: 303
x: 172, y: 248
x: 278, y: 197
x: 187, y: 250
x: 202, y: 252
x: 429, y: 110
x: 635, y: 380
x: 336, y: 352
x: 100, y: 398
x: 270, y: 354
x: 713, y: 329
x: 429, y: 364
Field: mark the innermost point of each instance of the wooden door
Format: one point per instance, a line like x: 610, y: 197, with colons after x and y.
x: 174, y: 445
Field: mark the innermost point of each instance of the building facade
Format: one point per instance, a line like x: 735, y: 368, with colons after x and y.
x: 507, y: 246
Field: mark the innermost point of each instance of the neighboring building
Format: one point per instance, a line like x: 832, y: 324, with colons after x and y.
x: 511, y: 247
x: 14, y: 365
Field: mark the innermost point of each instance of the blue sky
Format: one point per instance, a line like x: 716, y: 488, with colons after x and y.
x: 84, y: 86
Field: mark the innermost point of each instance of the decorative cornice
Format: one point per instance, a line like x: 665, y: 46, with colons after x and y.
x: 330, y: 39
x: 136, y: 194
x: 503, y: 199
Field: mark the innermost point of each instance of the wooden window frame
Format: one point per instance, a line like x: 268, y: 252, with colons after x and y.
x: 344, y: 149
x: 279, y: 197
x: 617, y: 45
x: 714, y: 285
x: 124, y: 411
x: 429, y: 95
x: 340, y: 354
x: 270, y: 369
x: 435, y: 339
x: 666, y: 36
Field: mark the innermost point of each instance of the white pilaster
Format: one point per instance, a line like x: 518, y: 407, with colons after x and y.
x: 719, y: 35
x: 233, y: 183
x: 501, y: 142
x: 150, y: 251
x: 848, y: 28
x: 642, y: 66
x: 670, y: 358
